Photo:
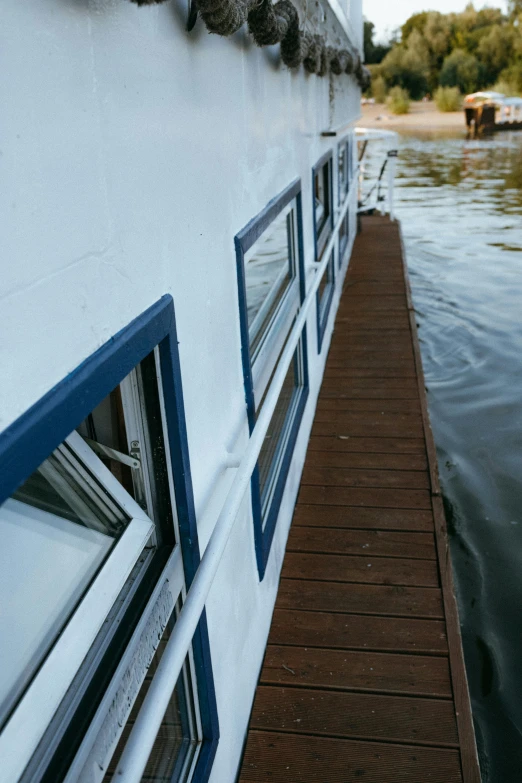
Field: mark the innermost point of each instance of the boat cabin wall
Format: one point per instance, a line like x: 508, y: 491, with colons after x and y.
x: 132, y: 153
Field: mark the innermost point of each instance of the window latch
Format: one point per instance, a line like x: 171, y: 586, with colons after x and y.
x: 132, y: 459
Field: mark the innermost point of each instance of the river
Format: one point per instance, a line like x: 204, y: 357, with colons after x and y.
x: 460, y: 205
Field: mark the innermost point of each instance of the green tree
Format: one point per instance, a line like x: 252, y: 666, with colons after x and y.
x: 514, y: 8
x: 373, y: 53
x: 415, y: 22
x: 461, y: 70
x: 496, y: 50
x: 438, y: 37
x: 469, y: 50
x: 379, y: 89
x: 408, y: 66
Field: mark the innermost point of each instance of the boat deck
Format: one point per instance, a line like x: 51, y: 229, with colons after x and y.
x: 363, y: 678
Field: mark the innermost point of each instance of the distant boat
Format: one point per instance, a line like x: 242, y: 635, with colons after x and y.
x: 481, y: 110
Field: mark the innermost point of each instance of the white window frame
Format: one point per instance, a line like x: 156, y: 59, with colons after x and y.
x: 31, y: 717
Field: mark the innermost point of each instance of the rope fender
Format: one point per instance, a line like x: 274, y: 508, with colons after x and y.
x: 278, y: 23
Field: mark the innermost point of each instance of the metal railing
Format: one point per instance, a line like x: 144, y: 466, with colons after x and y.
x: 376, y: 190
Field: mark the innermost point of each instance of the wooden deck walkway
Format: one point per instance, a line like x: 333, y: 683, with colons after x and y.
x: 363, y: 678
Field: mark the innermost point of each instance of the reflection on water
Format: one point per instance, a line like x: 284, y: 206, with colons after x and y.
x: 460, y: 203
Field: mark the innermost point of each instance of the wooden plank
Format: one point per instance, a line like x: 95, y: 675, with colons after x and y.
x: 358, y: 632
x: 347, y: 426
x: 369, y: 362
x: 364, y: 518
x: 411, y: 405
x: 368, y: 672
x: 386, y: 360
x: 368, y: 570
x: 305, y: 759
x: 361, y: 460
x: 388, y: 304
x: 372, y: 337
x: 355, y: 715
x: 354, y: 321
x: 363, y: 348
x: 368, y: 288
x: 376, y: 418
x: 357, y: 496
x: 348, y: 477
x: 352, y: 391
x: 418, y: 546
x: 350, y: 383
x: 384, y: 600
x: 376, y: 373
x: 347, y: 443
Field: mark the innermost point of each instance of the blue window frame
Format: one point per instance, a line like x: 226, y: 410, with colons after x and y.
x: 322, y: 188
x: 345, y: 172
x: 270, y: 272
x: 324, y: 299
x: 145, y: 350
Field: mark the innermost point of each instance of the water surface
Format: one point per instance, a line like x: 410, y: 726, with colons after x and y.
x: 460, y: 204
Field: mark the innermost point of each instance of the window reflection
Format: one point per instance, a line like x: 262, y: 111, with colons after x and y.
x: 269, y: 271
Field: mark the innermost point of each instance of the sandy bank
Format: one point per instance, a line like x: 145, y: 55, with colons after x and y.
x: 422, y: 116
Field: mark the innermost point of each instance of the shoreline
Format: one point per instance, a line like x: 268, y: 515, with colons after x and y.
x: 423, y: 116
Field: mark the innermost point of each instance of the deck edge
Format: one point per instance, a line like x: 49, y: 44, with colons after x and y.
x: 459, y: 680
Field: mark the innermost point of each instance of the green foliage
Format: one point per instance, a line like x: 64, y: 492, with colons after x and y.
x: 398, y: 100
x: 379, y: 89
x: 448, y: 98
x: 495, y: 50
x: 511, y: 79
x: 408, y: 66
x: 507, y: 88
x: 461, y: 70
x: 469, y: 50
x: 514, y: 8
x: 415, y: 22
x: 373, y: 53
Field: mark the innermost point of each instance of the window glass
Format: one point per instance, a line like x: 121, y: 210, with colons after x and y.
x: 322, y: 197
x: 105, y: 426
x: 322, y: 183
x: 273, y: 449
x: 269, y: 270
x: 270, y: 303
x: 343, y: 235
x: 92, y: 572
x: 327, y: 281
x: 176, y: 745
x: 324, y: 298
x: 57, y: 529
x: 342, y: 164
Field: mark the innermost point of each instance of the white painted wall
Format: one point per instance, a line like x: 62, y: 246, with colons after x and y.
x: 131, y: 153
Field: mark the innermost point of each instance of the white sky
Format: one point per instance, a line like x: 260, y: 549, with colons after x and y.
x: 387, y: 15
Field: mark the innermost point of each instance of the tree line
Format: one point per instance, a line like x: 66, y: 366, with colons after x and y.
x: 471, y: 50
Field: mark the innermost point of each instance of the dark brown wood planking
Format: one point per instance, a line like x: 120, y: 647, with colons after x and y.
x: 363, y: 677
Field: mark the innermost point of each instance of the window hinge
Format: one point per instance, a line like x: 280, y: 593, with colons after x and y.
x: 132, y: 459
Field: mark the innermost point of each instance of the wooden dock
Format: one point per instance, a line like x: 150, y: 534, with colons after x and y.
x: 363, y: 678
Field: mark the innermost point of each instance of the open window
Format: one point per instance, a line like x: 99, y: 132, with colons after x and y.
x: 99, y: 547
x: 271, y: 288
